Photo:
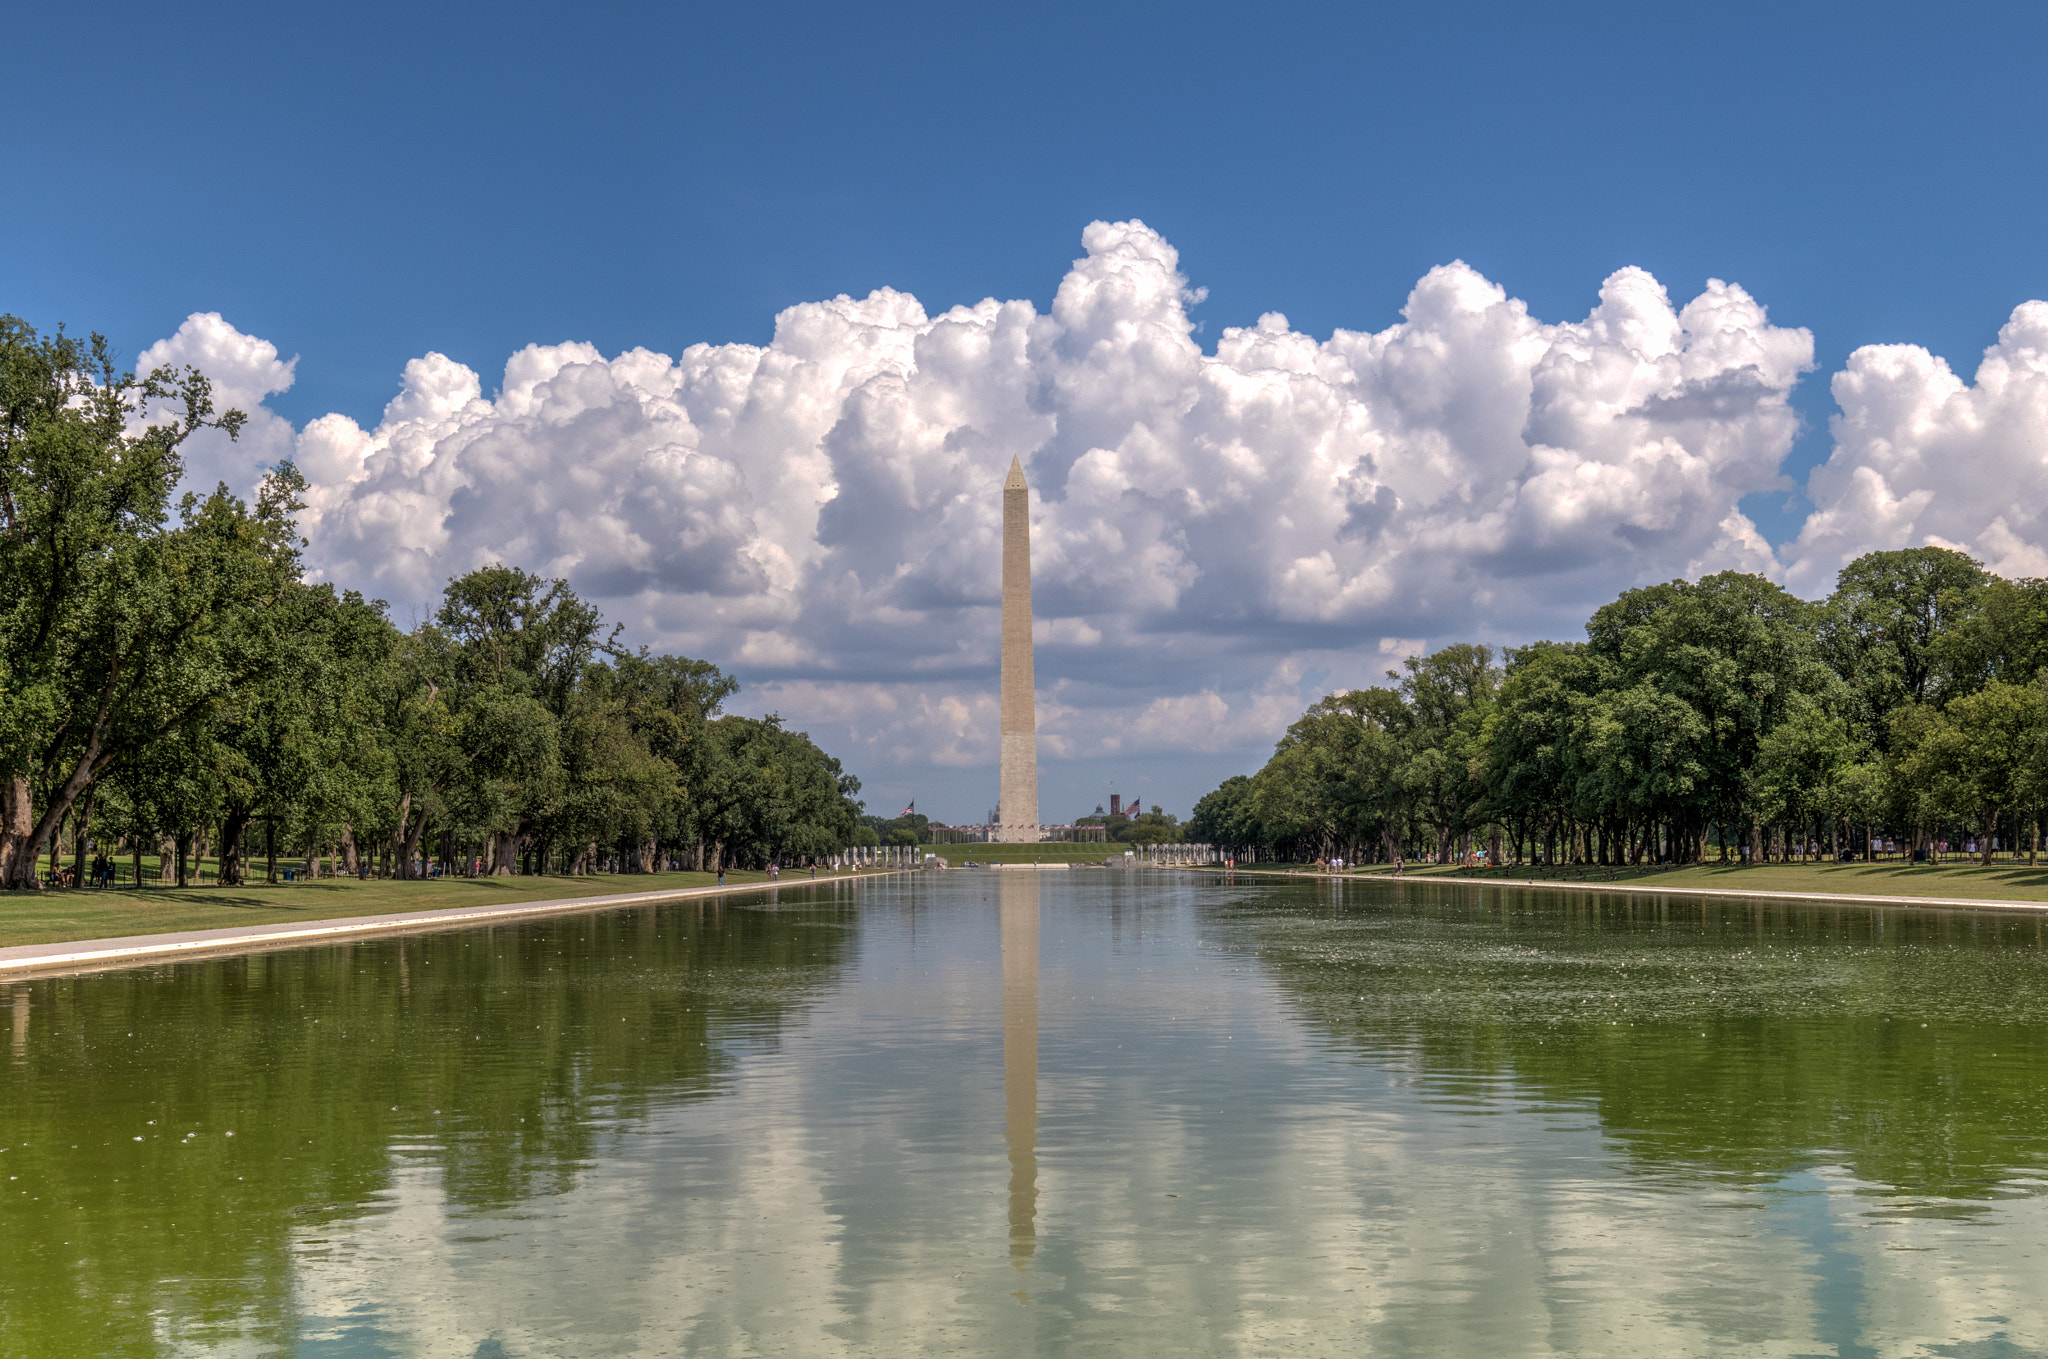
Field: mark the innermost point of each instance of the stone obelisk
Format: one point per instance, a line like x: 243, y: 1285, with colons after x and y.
x: 1017, y: 797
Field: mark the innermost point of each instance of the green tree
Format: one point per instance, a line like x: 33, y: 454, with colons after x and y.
x: 1532, y: 736
x: 1640, y: 763
x: 1882, y: 628
x: 103, y: 602
x: 1735, y: 649
x: 670, y: 700
x: 1225, y: 817
x: 773, y: 796
x: 117, y: 626
x: 2001, y: 637
x: 1447, y: 697
x: 1807, y: 769
x: 1997, y: 741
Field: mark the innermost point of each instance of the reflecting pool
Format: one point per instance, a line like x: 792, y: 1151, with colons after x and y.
x: 1079, y: 1112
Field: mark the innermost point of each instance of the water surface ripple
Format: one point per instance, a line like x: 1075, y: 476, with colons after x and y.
x: 1084, y: 1113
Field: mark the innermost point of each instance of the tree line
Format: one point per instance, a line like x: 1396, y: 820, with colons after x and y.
x: 172, y: 682
x: 1722, y: 718
x: 1134, y: 826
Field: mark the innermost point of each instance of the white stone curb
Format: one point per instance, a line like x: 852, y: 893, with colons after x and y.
x: 94, y: 954
x: 1649, y: 889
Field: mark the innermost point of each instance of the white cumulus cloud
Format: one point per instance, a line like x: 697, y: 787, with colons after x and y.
x: 1922, y: 458
x: 1218, y: 536
x: 243, y: 371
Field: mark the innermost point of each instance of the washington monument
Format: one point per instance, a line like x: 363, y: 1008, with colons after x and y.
x: 1017, y: 796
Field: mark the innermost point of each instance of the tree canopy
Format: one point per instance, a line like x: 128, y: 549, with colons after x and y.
x: 1721, y: 716
x: 170, y: 677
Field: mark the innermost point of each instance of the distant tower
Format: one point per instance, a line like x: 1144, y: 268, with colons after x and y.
x: 1018, y: 791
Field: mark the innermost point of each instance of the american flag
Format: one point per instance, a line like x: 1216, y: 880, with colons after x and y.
x: 907, y: 810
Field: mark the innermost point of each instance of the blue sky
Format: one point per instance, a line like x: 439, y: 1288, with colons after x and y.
x: 362, y: 185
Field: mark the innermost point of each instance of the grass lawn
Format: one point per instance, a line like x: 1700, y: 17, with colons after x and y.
x: 2003, y: 882
x: 53, y: 916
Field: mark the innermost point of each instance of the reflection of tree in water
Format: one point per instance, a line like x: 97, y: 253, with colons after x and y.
x: 502, y: 1057
x: 1736, y: 1038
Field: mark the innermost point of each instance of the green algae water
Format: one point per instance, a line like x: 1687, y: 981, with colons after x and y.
x: 1011, y: 1113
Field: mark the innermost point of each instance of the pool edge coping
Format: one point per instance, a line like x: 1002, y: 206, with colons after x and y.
x: 95, y: 955
x: 1645, y: 889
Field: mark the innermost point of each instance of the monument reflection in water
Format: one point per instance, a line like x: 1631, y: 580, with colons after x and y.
x: 1276, y: 1118
x: 1017, y: 898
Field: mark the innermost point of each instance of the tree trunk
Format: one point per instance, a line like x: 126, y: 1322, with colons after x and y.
x: 402, y: 870
x: 409, y: 844
x: 17, y: 834
x: 57, y: 848
x: 48, y: 828
x: 81, y: 831
x: 1990, y: 834
x: 232, y: 873
x: 504, y: 852
x: 348, y: 849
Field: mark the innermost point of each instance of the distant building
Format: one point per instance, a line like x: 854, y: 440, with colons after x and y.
x: 982, y: 835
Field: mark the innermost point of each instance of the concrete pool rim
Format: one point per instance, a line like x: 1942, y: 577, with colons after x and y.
x: 97, y: 955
